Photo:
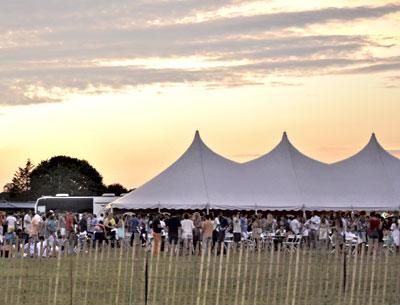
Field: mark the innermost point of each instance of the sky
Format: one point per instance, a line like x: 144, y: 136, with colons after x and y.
x: 125, y: 84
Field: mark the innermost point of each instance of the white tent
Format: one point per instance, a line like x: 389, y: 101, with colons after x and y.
x: 283, y: 179
x: 369, y: 180
x: 199, y: 179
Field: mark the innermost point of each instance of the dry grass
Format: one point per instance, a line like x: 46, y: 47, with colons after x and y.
x: 117, y: 276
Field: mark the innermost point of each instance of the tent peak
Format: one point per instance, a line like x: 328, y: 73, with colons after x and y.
x: 197, y: 136
x: 373, y: 139
x: 285, y: 138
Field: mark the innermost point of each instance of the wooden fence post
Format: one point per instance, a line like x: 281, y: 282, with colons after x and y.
x: 371, y: 287
x: 239, y: 265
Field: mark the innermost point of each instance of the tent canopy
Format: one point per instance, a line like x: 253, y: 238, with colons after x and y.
x: 282, y: 179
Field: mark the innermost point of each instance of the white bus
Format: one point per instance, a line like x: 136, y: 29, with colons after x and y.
x: 75, y: 204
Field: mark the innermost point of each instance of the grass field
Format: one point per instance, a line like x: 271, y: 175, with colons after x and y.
x: 118, y: 276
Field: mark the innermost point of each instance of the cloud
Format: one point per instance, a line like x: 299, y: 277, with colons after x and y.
x: 392, y: 82
x: 90, y: 47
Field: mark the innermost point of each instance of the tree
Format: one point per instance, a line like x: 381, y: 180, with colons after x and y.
x: 62, y: 174
x: 116, y: 188
x: 19, y: 187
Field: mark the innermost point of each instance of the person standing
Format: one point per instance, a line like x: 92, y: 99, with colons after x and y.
x: 207, y: 230
x: 215, y: 232
x: 196, y: 231
x: 374, y: 225
x: 256, y: 230
x: 173, y: 224
x: 11, y: 222
x: 244, y: 224
x: 157, y: 230
x: 120, y: 223
x: 83, y: 224
x: 295, y: 225
x: 27, y: 225
x: 35, y: 227
x: 223, y: 227
x: 362, y: 226
x: 133, y: 227
x: 70, y: 222
x: 314, y: 224
x: 99, y: 234
x: 396, y: 233
x: 187, y: 234
x: 237, y: 230
x: 324, y: 231
x: 61, y: 227
x: 51, y: 234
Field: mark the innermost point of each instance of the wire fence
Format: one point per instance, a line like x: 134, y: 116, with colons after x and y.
x: 238, y: 276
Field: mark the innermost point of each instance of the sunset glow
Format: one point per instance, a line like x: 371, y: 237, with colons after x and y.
x: 125, y: 84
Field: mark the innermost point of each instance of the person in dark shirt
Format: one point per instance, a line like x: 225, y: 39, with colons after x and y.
x: 173, y: 224
x: 83, y: 225
x: 222, y: 228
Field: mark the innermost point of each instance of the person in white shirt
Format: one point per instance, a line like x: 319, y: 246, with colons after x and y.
x: 237, y: 229
x: 395, y: 234
x: 187, y: 227
x: 11, y: 222
x: 27, y: 225
x: 295, y: 225
x: 314, y: 223
x: 27, y: 222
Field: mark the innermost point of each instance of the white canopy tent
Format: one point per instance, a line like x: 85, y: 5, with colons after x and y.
x: 199, y: 179
x: 283, y: 179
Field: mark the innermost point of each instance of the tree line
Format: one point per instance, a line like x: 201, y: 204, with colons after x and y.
x: 59, y: 174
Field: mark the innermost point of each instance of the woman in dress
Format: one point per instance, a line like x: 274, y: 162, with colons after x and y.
x: 120, y: 223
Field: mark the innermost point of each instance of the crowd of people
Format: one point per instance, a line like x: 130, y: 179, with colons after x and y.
x: 193, y: 233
